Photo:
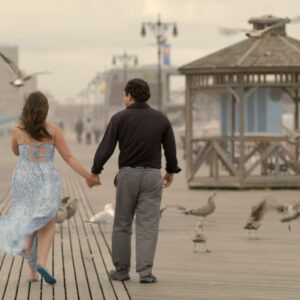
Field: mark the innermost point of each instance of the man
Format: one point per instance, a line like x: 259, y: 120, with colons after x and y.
x: 79, y: 129
x: 88, y: 128
x: 140, y: 132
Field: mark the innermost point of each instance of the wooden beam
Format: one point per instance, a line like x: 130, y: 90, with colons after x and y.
x: 232, y: 127
x: 227, y: 163
x: 241, y: 93
x: 200, y: 159
x: 264, y: 156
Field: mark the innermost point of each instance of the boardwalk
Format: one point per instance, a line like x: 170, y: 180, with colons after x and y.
x: 237, y: 268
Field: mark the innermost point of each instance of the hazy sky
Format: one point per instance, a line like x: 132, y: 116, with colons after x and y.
x: 77, y: 38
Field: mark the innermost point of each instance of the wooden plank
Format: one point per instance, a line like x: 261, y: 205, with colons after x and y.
x: 14, y: 278
x: 78, y: 265
x: 105, y: 284
x: 5, y: 274
x: 58, y: 266
x: 70, y: 280
x: 119, y: 287
x: 88, y: 272
x: 47, y: 291
x: 6, y: 261
x: 24, y: 286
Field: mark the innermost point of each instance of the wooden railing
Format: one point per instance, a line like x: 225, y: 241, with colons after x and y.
x: 263, y: 156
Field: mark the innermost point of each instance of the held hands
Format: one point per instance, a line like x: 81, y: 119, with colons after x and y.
x: 93, y: 180
x: 168, y: 179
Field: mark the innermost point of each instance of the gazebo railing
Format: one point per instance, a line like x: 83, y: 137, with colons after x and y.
x: 265, y: 156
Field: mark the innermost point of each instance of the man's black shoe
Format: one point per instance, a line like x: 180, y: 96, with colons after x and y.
x: 148, y: 279
x: 121, y: 275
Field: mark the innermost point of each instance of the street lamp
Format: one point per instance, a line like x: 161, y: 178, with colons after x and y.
x: 159, y: 29
x: 125, y: 59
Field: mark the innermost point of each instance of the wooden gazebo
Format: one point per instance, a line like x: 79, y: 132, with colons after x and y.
x: 268, y: 58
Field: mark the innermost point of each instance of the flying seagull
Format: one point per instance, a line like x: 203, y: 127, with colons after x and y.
x: 67, y: 209
x: 205, y: 210
x: 21, y: 78
x: 257, y: 33
x: 259, y: 210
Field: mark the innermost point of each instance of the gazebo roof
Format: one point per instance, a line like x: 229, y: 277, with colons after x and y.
x: 267, y: 51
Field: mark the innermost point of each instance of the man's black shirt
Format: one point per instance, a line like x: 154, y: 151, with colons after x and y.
x: 140, y: 131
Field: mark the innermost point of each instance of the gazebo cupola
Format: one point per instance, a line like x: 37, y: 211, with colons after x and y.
x: 267, y: 21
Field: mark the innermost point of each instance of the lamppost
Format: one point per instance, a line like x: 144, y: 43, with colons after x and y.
x: 159, y: 29
x: 125, y: 59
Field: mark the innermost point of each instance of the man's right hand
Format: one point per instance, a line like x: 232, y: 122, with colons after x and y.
x: 93, y: 180
x: 168, y: 179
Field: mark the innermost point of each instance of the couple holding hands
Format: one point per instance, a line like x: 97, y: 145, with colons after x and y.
x: 140, y: 131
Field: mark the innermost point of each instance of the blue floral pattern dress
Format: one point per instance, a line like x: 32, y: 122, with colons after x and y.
x: 36, y: 196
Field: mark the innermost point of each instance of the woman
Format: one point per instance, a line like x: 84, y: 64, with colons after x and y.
x: 36, y: 186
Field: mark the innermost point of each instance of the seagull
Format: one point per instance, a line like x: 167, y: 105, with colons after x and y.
x: 67, y: 209
x: 205, y: 210
x: 61, y: 215
x: 198, y: 237
x: 292, y: 134
x: 259, y: 211
x: 103, y: 217
x: 292, y: 213
x: 21, y: 78
x: 258, y: 33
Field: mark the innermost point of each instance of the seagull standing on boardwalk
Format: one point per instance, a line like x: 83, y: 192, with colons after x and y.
x: 199, y: 237
x: 103, y: 217
x: 21, y: 78
x: 292, y: 213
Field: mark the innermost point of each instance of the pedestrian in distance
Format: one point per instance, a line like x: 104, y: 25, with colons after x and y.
x: 79, y: 130
x: 88, y: 128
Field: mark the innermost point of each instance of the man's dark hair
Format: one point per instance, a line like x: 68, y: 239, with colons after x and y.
x: 138, y: 89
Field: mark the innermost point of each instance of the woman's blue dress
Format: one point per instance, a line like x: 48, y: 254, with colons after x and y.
x: 36, y: 196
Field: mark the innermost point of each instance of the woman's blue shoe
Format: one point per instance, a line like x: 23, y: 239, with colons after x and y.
x: 46, y: 275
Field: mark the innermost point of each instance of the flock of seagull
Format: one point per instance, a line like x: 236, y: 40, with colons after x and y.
x: 288, y: 212
x: 70, y: 206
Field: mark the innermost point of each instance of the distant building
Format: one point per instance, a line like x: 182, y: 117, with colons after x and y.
x: 11, y: 98
x: 173, y: 86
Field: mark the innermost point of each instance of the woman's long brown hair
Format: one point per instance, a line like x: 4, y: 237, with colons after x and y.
x: 34, y: 114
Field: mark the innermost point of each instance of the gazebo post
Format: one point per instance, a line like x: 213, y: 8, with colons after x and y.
x: 189, y: 131
x: 232, y: 127
x: 296, y: 118
x: 241, y: 93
